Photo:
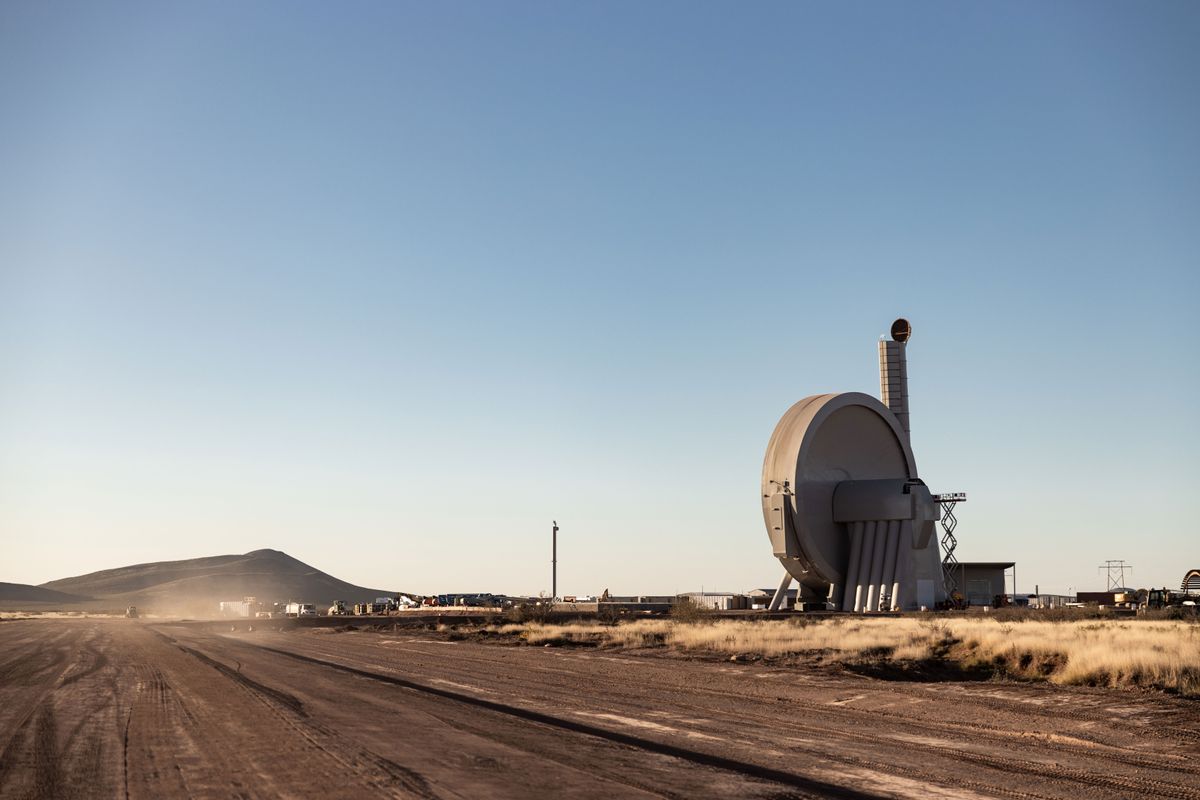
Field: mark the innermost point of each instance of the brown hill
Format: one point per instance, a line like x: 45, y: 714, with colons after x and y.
x: 24, y: 593
x: 195, y: 586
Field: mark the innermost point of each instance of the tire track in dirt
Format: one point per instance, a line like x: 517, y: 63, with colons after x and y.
x: 159, y: 738
x: 1055, y: 712
x: 593, y: 767
x: 921, y: 691
x: 88, y: 661
x: 35, y: 671
x: 29, y: 673
x: 868, y: 733
x: 1006, y: 765
x: 879, y: 767
x: 324, y: 739
x: 614, y: 765
x: 747, y: 769
x: 47, y: 778
x: 836, y: 719
x: 290, y: 701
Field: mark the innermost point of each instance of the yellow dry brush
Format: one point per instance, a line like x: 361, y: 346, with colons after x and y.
x: 1152, y: 654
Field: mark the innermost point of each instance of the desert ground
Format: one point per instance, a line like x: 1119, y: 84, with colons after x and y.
x: 142, y: 708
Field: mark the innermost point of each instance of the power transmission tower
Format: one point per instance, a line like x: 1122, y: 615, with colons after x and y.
x: 1116, y: 573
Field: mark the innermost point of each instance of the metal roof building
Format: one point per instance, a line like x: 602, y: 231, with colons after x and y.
x: 981, y: 582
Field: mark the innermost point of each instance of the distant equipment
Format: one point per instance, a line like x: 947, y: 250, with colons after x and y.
x: 131, y: 612
x: 847, y: 514
x: 1191, y: 582
x: 1188, y: 594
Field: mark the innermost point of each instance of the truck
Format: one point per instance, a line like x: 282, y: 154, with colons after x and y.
x: 301, y: 610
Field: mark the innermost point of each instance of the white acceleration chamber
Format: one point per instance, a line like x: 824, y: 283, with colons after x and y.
x: 847, y: 514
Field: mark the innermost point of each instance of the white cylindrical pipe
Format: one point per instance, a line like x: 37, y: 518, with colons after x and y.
x: 876, y: 566
x: 904, y: 558
x: 864, y: 577
x: 888, y: 577
x: 851, y: 583
x: 864, y: 566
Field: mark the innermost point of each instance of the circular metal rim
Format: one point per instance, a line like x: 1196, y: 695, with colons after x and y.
x: 793, y: 433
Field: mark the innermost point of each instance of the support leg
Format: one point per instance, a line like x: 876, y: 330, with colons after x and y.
x: 876, y: 567
x: 856, y: 545
x: 781, y: 592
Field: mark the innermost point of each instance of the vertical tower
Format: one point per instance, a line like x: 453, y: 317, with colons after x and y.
x: 893, y: 373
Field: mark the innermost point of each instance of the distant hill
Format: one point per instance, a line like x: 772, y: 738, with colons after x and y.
x: 195, y: 586
x: 24, y: 593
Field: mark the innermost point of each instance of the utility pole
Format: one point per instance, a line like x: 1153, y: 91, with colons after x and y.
x: 554, y: 563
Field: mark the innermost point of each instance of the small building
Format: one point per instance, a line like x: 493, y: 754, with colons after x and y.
x: 653, y: 603
x: 984, y: 583
x: 1116, y: 597
x: 1051, y: 600
x: 721, y: 601
x: 246, y: 607
x: 761, y: 598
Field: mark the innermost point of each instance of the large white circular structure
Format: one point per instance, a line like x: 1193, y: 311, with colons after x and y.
x: 820, y: 442
x: 846, y: 512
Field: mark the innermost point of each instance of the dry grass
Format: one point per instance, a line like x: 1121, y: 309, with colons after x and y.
x: 1158, y: 654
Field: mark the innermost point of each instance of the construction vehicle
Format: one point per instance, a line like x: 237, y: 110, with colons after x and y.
x: 1158, y: 598
x: 1166, y: 598
x: 131, y: 612
x: 1188, y: 594
x: 338, y: 609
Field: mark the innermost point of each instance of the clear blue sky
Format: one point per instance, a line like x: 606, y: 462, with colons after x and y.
x: 389, y: 286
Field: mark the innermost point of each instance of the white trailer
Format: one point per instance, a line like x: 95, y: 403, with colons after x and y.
x: 235, y: 608
x: 300, y: 610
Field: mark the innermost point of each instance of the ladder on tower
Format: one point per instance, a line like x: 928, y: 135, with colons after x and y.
x: 947, y: 501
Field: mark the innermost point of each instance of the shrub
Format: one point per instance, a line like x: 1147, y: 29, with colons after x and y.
x: 609, y: 614
x: 540, y: 610
x: 686, y: 609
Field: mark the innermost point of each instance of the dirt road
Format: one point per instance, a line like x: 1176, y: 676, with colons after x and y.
x: 125, y: 708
